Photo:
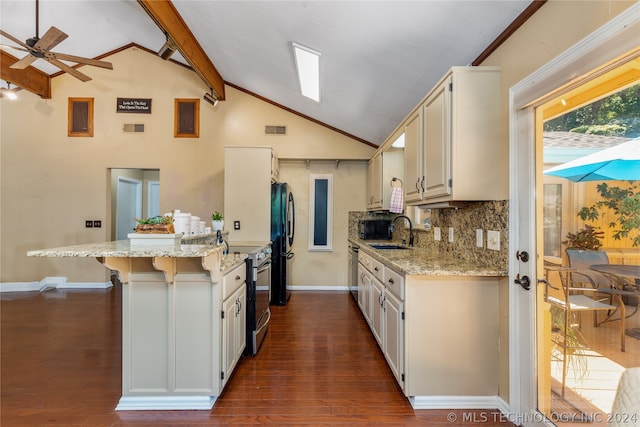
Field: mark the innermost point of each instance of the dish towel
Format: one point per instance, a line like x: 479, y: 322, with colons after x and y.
x: 395, y: 204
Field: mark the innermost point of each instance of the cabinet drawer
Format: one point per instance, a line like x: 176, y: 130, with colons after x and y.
x: 365, y: 260
x: 394, y: 282
x: 232, y: 280
x: 377, y: 268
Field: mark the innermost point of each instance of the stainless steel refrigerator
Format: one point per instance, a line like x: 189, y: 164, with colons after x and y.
x: 283, y: 224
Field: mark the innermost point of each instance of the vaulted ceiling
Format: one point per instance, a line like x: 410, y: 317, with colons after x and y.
x: 378, y: 60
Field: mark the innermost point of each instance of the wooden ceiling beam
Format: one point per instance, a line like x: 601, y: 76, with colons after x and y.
x: 30, y: 78
x: 167, y: 18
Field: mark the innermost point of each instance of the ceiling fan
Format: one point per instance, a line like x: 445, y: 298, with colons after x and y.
x: 40, y: 48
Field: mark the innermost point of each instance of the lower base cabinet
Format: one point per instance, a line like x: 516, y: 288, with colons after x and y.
x: 440, y: 335
x: 234, y: 320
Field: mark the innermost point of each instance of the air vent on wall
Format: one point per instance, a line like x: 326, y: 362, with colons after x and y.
x: 275, y: 130
x: 133, y: 127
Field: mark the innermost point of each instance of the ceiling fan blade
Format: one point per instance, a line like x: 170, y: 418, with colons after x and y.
x: 6, y: 46
x: 51, y: 38
x: 15, y: 40
x: 67, y: 69
x: 82, y: 60
x: 23, y: 63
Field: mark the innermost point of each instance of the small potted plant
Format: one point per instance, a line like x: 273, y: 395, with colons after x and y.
x: 217, y: 221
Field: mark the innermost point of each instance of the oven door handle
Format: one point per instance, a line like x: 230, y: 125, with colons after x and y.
x: 264, y: 266
x: 264, y: 325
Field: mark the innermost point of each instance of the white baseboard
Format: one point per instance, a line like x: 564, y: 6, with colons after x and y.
x: 457, y: 402
x: 159, y: 403
x: 318, y: 288
x: 50, y: 283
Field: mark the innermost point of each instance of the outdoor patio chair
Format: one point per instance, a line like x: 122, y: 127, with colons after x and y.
x: 572, y: 301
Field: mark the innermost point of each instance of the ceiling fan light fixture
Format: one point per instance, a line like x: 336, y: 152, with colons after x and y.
x: 308, y: 68
x: 9, y: 93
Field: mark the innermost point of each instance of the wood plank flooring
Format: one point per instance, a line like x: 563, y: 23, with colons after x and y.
x: 319, y: 365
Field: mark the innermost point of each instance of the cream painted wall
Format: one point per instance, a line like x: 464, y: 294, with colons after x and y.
x: 349, y: 183
x: 51, y: 183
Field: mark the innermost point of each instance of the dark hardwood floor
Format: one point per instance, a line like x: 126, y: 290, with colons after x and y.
x: 319, y: 365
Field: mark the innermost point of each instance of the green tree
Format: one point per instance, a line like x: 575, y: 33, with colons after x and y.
x: 615, y: 115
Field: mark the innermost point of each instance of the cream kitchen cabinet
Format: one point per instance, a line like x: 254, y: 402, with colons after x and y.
x: 248, y: 173
x: 453, y: 145
x: 377, y: 311
x: 381, y: 169
x: 384, y: 311
x: 413, y: 157
x: 364, y: 292
x: 234, y: 315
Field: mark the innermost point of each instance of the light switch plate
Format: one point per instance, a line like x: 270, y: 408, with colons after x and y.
x: 479, y: 242
x: 436, y: 234
x: 493, y: 240
x: 450, y: 234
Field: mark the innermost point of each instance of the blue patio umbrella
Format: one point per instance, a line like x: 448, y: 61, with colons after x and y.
x: 621, y: 162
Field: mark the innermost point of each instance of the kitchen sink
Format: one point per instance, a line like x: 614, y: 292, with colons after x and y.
x: 383, y: 246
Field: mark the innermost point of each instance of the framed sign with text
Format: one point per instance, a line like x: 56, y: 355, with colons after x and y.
x: 133, y: 105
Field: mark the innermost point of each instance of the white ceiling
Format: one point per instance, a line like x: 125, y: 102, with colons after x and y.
x: 379, y: 58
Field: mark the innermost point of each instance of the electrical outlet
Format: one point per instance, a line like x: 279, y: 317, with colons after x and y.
x: 450, y: 234
x: 236, y: 225
x: 493, y: 240
x: 437, y: 236
x: 479, y: 237
x: 88, y: 223
x: 97, y: 223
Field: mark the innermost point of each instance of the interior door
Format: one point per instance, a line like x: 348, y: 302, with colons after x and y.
x: 128, y: 206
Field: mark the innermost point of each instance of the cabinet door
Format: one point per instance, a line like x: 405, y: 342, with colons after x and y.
x: 374, y: 182
x: 393, y: 347
x: 377, y: 299
x: 228, y: 347
x: 241, y: 323
x: 234, y: 337
x: 362, y: 290
x: 437, y: 142
x: 412, y: 158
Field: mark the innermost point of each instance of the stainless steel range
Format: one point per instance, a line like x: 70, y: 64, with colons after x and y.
x: 258, y: 291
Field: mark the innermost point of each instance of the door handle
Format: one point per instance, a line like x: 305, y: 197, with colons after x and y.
x: 525, y: 282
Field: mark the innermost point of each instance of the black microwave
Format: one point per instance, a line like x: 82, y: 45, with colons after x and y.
x: 374, y: 229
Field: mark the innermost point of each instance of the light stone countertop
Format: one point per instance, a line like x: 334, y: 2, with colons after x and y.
x: 419, y: 261
x: 122, y: 249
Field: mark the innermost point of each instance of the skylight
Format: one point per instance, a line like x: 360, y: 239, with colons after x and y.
x: 308, y: 65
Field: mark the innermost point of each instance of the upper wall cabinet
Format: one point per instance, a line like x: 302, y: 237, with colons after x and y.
x: 453, y: 150
x: 381, y: 169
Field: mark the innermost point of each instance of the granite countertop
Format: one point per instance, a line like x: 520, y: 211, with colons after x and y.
x: 122, y: 249
x: 420, y: 261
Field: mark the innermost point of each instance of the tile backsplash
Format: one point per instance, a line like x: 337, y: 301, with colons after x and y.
x: 492, y: 215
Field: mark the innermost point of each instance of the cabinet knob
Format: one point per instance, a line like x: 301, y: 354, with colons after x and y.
x: 238, y: 277
x: 391, y: 281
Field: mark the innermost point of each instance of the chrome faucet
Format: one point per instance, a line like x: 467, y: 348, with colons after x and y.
x: 392, y: 227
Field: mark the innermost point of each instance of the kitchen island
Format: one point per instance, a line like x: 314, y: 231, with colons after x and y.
x: 172, y: 340
x: 441, y: 322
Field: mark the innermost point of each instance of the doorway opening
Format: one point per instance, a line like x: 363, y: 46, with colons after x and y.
x: 135, y: 193
x: 580, y: 356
